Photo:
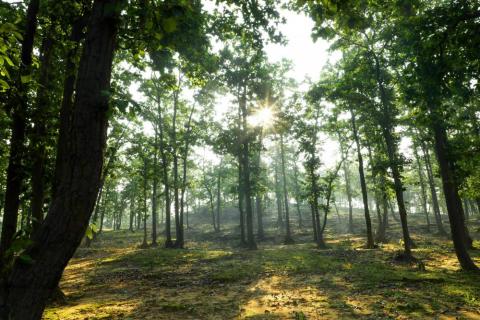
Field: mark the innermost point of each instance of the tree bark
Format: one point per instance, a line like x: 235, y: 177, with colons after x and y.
x: 246, y: 173
x: 433, y: 191
x: 288, y: 235
x: 297, y: 196
x: 154, y: 191
x: 145, y: 210
x: 39, y: 137
x: 452, y: 198
x: 30, y: 284
x: 278, y: 197
x: 363, y: 184
x: 219, y: 204
x: 422, y: 187
x: 76, y: 35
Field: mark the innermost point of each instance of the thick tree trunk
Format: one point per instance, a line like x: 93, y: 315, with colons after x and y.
x: 288, y: 235
x: 15, y: 174
x: 454, y: 204
x: 363, y: 184
x: 76, y: 35
x: 30, y: 284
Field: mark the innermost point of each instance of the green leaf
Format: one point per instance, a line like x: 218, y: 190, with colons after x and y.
x: 26, y: 78
x: 94, y: 227
x: 169, y: 25
x: 89, y: 233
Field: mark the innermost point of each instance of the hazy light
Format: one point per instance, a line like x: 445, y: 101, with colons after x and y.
x: 262, y: 118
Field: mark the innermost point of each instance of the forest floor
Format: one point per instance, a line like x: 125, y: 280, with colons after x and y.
x: 215, y: 279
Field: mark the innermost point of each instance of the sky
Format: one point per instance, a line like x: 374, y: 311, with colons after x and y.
x: 308, y: 57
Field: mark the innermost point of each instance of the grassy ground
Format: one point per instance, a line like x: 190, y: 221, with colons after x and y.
x: 214, y: 279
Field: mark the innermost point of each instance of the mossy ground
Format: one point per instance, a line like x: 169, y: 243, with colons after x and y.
x: 215, y: 279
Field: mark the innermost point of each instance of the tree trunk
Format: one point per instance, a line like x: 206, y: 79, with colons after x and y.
x: 180, y: 236
x: 433, y: 192
x: 259, y: 209
x: 132, y: 212
x: 454, y: 205
x: 241, y: 202
x: 422, y: 187
x: 278, y: 198
x: 348, y: 187
x: 297, y: 196
x: 154, y: 191
x: 166, y: 180
x: 392, y: 157
x: 39, y: 137
x: 66, y: 107
x: 219, y: 204
x: 363, y: 184
x: 246, y: 174
x: 15, y: 174
x: 30, y: 284
x: 288, y: 235
x: 145, y: 210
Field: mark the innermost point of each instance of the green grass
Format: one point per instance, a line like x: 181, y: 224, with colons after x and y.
x: 115, y: 279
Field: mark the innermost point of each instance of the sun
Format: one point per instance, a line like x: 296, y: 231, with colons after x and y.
x: 262, y: 118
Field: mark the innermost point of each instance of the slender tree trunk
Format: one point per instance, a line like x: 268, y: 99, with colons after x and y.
x: 259, y: 209
x: 132, y: 212
x: 246, y: 174
x: 393, y: 158
x: 288, y: 235
x: 423, y: 190
x: 297, y: 196
x: 180, y: 241
x: 30, y: 284
x: 433, y: 192
x: 348, y: 187
x: 39, y: 137
x: 166, y: 180
x: 219, y: 204
x: 241, y: 202
x: 314, y: 225
x: 363, y: 184
x: 145, y: 210
x: 278, y: 196
x: 15, y: 174
x: 259, y: 195
x: 154, y: 191
x: 176, y: 195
